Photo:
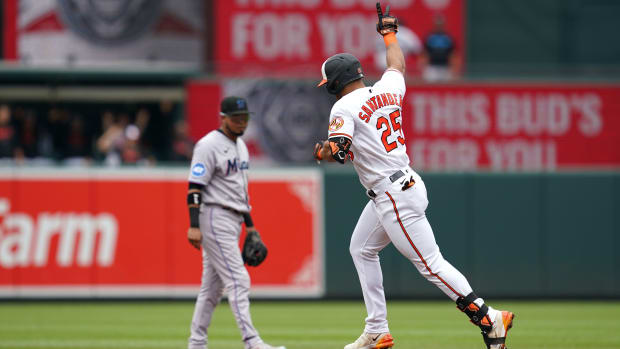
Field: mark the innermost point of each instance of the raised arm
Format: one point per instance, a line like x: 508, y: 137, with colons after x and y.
x: 387, y: 26
x: 394, y: 56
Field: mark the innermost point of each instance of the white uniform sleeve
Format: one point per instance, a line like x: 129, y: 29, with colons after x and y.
x: 341, y: 124
x: 203, y: 164
x: 391, y: 81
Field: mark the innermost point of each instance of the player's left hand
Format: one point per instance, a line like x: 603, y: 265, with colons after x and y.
x: 386, y: 24
x: 194, y: 237
x: 254, y: 250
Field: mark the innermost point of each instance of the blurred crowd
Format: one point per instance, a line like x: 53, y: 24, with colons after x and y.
x: 87, y: 134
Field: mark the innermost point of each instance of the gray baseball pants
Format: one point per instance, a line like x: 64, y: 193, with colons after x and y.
x: 222, y: 271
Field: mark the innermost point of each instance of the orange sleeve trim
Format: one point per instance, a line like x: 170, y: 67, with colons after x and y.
x: 340, y: 134
x: 389, y: 38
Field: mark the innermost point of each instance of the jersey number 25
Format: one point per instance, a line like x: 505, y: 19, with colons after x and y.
x: 384, y: 124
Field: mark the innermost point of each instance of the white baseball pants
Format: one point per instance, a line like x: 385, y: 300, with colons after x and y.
x: 222, y: 271
x: 399, y: 217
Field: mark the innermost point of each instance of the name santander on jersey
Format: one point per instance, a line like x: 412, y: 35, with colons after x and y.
x: 371, y: 117
x: 379, y: 101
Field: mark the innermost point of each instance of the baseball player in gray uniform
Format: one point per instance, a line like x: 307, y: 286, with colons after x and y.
x: 218, y: 204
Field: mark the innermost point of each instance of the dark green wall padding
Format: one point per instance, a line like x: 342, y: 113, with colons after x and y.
x: 511, y: 235
x: 550, y: 38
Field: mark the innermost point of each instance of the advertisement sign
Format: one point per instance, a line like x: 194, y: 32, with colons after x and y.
x: 8, y: 24
x: 505, y: 127
x: 124, y: 233
x: 456, y: 127
x: 295, y: 37
x: 202, y: 105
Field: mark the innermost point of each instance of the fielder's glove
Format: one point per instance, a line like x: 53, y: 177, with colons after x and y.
x: 254, y: 250
x: 386, y: 24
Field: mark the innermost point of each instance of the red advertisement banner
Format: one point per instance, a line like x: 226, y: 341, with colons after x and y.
x: 203, y: 107
x: 512, y: 127
x: 295, y: 37
x: 9, y: 29
x: 123, y: 233
x: 456, y: 127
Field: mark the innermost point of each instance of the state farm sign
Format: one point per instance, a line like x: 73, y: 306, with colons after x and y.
x: 25, y: 240
x: 102, y: 233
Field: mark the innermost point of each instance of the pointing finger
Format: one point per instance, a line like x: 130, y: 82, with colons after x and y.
x: 387, y: 10
x: 379, y: 12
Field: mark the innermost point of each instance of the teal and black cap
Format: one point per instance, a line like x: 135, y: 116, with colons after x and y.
x: 234, y: 106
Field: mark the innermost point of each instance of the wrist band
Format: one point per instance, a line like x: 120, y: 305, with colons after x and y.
x: 389, y: 38
x: 194, y: 213
x: 317, y: 154
x: 247, y: 219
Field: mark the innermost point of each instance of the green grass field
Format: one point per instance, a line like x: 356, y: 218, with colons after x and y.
x: 418, y: 325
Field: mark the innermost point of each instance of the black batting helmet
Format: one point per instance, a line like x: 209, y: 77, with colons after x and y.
x: 340, y: 70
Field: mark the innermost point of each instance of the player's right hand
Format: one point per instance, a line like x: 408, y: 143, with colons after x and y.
x: 317, y: 152
x: 322, y: 151
x: 386, y: 24
x: 194, y: 237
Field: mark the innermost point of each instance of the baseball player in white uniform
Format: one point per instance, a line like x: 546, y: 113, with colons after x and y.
x: 218, y: 204
x: 365, y: 127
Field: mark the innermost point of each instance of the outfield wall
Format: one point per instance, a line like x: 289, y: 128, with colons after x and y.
x: 99, y: 233
x: 511, y: 235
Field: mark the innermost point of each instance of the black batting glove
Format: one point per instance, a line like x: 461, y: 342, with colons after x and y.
x: 386, y: 24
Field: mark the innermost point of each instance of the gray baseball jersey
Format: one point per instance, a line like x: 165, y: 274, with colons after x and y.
x: 220, y: 165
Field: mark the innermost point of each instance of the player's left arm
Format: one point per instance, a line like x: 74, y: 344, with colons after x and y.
x: 249, y: 223
x: 387, y: 26
x: 254, y: 250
